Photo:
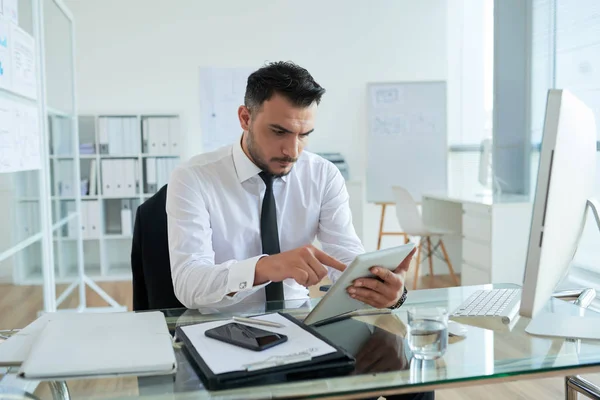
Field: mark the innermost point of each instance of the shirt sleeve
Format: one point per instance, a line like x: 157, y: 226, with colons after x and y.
x: 336, y: 232
x: 197, y: 281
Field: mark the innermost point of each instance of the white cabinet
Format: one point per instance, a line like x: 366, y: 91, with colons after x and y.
x: 493, y: 235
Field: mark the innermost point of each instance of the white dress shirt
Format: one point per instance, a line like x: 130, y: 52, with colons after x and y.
x: 213, y: 210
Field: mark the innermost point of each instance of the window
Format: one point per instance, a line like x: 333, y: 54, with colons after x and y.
x: 566, y: 55
x: 470, y: 89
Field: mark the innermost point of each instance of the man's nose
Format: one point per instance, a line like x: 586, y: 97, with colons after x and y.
x: 291, y: 146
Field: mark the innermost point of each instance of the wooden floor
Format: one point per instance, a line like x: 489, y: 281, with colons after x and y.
x: 19, y: 306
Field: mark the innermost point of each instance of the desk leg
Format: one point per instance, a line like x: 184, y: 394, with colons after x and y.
x: 381, y: 226
x: 576, y: 384
x: 59, y: 390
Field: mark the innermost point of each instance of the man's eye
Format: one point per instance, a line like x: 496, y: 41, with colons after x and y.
x: 279, y: 133
x: 304, y: 135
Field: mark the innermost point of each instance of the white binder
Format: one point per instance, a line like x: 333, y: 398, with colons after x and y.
x: 174, y: 135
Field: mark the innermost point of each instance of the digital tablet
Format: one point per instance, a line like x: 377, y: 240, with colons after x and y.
x: 337, y: 301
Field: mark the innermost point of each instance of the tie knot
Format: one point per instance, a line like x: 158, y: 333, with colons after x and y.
x: 267, y: 178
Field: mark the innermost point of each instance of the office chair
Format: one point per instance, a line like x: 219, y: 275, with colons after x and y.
x: 150, y: 262
x: 412, y: 224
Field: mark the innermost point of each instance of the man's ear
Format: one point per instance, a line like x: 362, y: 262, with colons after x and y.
x: 244, y: 117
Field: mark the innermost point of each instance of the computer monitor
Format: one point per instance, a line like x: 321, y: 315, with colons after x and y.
x: 565, y: 182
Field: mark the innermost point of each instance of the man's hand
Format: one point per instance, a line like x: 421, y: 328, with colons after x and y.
x: 385, y: 291
x: 306, y: 265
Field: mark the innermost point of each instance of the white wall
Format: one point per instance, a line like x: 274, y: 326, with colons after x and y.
x: 144, y: 56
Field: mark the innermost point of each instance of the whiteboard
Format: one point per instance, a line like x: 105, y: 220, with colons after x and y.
x: 222, y: 91
x: 406, y: 140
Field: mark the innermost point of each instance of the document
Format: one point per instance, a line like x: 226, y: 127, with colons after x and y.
x: 22, y: 47
x: 26, y: 138
x: 5, y: 66
x: 10, y: 8
x: 223, y: 357
x: 6, y: 136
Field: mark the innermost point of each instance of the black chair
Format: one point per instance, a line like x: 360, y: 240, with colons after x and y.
x: 150, y: 263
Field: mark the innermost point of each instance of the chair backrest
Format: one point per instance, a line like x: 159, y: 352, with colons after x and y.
x: 150, y: 261
x: 407, y: 212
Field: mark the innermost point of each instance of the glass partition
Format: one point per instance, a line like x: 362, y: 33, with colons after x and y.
x: 66, y: 187
x: 23, y: 249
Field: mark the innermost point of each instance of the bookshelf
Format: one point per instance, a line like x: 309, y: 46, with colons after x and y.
x: 123, y: 160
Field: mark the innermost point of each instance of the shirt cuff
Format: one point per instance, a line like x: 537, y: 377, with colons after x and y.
x: 241, y: 275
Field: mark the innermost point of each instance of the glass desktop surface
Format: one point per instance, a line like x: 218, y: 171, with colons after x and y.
x: 384, y: 363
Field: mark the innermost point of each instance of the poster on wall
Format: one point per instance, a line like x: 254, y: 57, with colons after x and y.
x: 10, y: 9
x: 221, y: 93
x: 19, y: 137
x: 22, y: 54
x: 5, y: 65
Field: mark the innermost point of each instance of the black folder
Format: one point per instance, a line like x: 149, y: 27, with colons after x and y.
x: 328, y: 365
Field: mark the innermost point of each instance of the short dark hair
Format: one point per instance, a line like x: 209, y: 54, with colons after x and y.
x: 285, y: 78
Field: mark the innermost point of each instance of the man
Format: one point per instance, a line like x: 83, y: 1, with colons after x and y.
x: 241, y: 219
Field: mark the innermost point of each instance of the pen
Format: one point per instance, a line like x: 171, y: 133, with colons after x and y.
x: 258, y: 322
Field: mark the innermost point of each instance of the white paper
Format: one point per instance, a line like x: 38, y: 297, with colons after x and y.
x: 22, y: 48
x: 7, y: 128
x: 11, y: 10
x: 19, y: 137
x: 222, y: 92
x: 224, y: 357
x: 5, y: 65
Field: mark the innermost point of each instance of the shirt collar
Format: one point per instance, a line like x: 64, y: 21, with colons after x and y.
x: 244, y: 167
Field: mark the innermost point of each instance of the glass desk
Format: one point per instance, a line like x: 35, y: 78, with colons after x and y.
x: 384, y: 362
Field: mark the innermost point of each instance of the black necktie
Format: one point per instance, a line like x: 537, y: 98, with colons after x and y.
x: 269, y: 234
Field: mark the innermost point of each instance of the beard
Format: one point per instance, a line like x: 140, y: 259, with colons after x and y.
x: 259, y: 160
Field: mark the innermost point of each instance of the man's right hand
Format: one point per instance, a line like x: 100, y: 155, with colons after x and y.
x: 305, y: 265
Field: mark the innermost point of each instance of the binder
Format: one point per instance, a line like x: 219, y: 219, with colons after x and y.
x: 174, y: 134
x: 115, y: 136
x: 329, y: 365
x: 145, y: 135
x: 118, y: 177
x: 151, y: 182
x: 163, y: 138
x: 107, y: 178
x: 103, y: 135
x: 93, y: 177
x: 126, y: 228
x: 129, y: 178
x: 93, y: 219
x: 85, y: 232
x: 154, y: 135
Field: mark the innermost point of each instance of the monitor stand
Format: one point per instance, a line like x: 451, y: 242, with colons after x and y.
x: 571, y: 326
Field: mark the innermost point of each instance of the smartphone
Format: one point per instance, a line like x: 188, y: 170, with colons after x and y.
x: 246, y: 336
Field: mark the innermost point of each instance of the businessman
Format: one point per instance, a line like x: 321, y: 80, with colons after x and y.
x: 242, y: 219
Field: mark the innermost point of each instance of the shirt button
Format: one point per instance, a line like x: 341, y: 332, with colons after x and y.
x: 243, y: 285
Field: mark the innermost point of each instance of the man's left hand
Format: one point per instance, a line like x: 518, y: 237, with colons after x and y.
x: 385, y: 291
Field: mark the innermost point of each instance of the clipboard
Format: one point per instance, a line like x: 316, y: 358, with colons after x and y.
x: 294, y: 369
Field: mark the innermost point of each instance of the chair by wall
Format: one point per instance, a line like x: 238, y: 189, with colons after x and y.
x: 409, y: 218
x: 150, y: 262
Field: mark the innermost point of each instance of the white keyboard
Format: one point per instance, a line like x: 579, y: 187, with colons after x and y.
x: 491, y: 309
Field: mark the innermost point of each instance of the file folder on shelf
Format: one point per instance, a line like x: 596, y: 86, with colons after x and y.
x: 337, y: 363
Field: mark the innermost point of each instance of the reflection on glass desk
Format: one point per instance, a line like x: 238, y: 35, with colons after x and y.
x: 384, y: 362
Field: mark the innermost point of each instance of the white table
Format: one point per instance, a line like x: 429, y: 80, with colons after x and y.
x: 491, y: 235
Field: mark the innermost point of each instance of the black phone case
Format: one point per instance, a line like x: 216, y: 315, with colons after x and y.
x: 335, y: 364
x: 211, y: 333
